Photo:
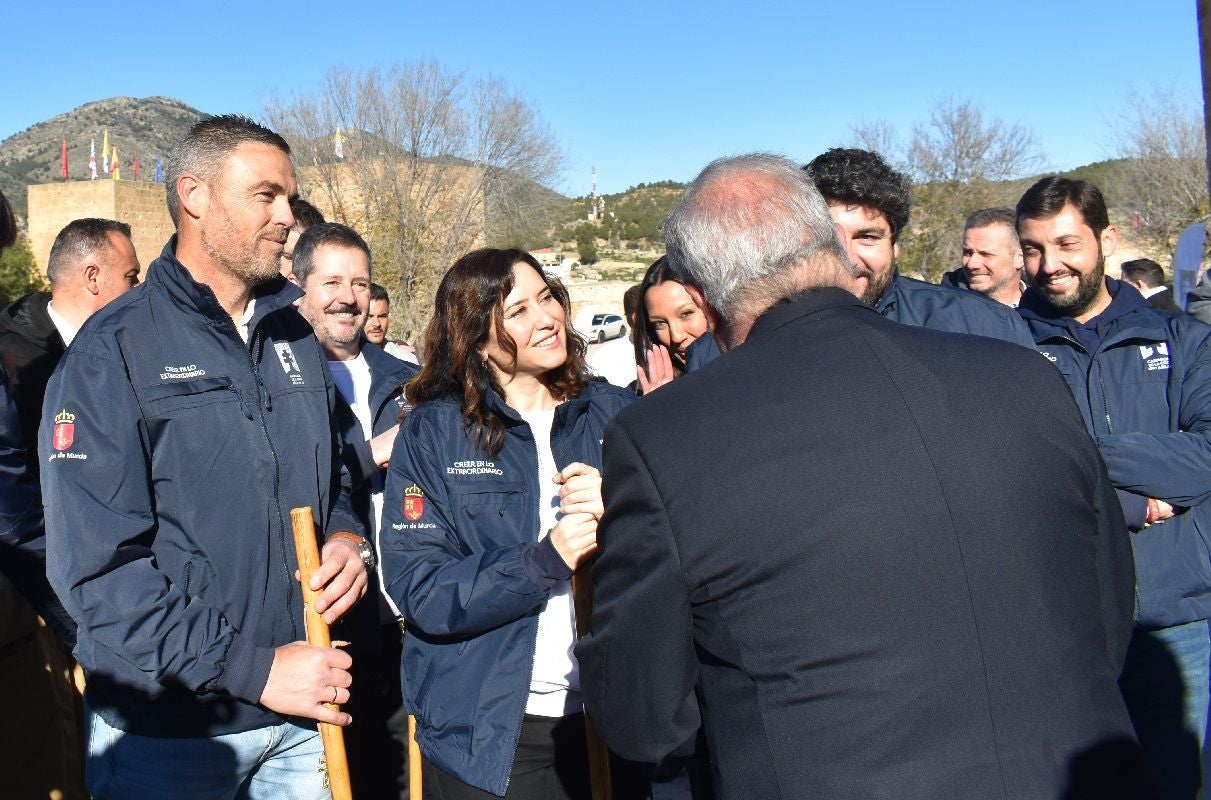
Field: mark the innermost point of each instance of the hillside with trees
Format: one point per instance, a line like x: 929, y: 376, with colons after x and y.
x: 144, y: 127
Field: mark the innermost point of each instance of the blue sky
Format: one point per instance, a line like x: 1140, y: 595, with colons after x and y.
x: 644, y: 91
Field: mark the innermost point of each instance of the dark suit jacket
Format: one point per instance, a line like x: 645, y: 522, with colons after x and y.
x: 877, y: 561
x: 1163, y: 300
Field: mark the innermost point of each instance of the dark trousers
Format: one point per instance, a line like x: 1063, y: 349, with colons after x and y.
x: 552, y: 763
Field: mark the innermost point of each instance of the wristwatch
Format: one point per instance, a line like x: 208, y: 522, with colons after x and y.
x: 364, y: 548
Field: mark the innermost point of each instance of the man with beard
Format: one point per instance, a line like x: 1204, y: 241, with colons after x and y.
x: 332, y: 265
x: 1142, y: 379
x: 869, y: 202
x: 183, y: 424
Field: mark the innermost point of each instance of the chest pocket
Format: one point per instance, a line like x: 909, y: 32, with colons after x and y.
x: 492, y: 515
x: 165, y: 398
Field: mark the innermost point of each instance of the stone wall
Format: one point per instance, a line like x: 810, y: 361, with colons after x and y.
x: 140, y: 205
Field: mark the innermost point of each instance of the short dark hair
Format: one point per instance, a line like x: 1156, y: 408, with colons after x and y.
x: 1049, y: 196
x: 862, y: 178
x: 78, y: 240
x: 1144, y: 270
x: 305, y: 214
x: 206, y: 146
x: 8, y: 224
x: 379, y: 293
x: 326, y: 234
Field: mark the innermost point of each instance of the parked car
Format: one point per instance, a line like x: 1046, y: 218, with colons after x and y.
x: 605, y: 326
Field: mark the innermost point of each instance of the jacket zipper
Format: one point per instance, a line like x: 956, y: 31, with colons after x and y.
x: 1101, y: 385
x: 534, y: 637
x: 277, y: 476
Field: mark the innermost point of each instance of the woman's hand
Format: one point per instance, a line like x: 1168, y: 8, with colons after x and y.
x: 660, y: 369
x: 580, y: 490
x: 575, y: 537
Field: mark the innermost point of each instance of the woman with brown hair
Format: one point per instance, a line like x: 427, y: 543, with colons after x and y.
x: 492, y: 500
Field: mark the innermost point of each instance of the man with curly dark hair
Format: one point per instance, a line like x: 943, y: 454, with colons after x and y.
x: 870, y: 204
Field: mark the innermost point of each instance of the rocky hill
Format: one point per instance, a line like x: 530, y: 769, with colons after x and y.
x: 146, y: 127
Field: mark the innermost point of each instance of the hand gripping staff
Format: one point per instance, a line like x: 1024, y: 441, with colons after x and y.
x: 305, y: 548
x: 599, y: 756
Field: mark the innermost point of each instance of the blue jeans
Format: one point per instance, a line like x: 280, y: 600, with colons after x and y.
x: 282, y: 761
x: 1165, y: 687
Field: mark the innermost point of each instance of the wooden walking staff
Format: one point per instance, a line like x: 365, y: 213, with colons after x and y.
x: 414, y: 763
x: 599, y: 755
x: 308, y: 553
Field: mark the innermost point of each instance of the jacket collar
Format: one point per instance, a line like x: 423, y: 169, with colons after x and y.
x: 888, y: 298
x: 801, y: 305
x: 1127, y: 316
x: 27, y: 317
x: 166, y: 271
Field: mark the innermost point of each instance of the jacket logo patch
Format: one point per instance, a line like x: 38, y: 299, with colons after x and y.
x: 180, y: 373
x: 1155, y: 357
x: 414, y: 503
x: 289, y: 363
x: 65, y: 430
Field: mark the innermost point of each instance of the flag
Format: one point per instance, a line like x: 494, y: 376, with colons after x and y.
x: 338, y: 145
x: 134, y: 165
x: 63, y: 160
x: 92, y: 159
x: 116, y: 165
x: 159, y: 169
x: 105, y: 153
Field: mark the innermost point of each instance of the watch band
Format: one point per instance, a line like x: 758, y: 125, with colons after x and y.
x: 364, y: 549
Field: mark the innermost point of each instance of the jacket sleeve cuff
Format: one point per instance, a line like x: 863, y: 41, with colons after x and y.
x: 543, y: 564
x: 245, y: 670
x: 1135, y: 509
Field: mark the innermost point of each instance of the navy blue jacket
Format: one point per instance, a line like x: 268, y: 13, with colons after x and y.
x: 1145, y: 394
x: 944, y: 308
x: 172, y: 455
x: 463, y: 561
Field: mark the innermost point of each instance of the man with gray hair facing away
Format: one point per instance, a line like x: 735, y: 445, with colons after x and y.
x: 849, y: 549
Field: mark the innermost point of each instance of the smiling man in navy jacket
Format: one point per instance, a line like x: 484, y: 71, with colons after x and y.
x: 877, y: 574
x: 185, y: 422
x: 1142, y: 380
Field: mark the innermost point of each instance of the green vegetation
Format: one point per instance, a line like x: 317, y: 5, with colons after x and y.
x: 632, y: 217
x: 18, y: 273
x: 586, y: 242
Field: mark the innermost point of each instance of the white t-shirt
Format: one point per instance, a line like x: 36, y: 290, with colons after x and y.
x: 352, y: 379
x: 555, y: 682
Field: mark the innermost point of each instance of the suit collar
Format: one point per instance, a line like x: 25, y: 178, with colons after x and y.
x: 801, y: 305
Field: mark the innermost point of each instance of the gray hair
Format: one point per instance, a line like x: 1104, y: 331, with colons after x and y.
x: 986, y: 217
x: 205, y: 148
x: 747, y: 220
x: 80, y: 239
